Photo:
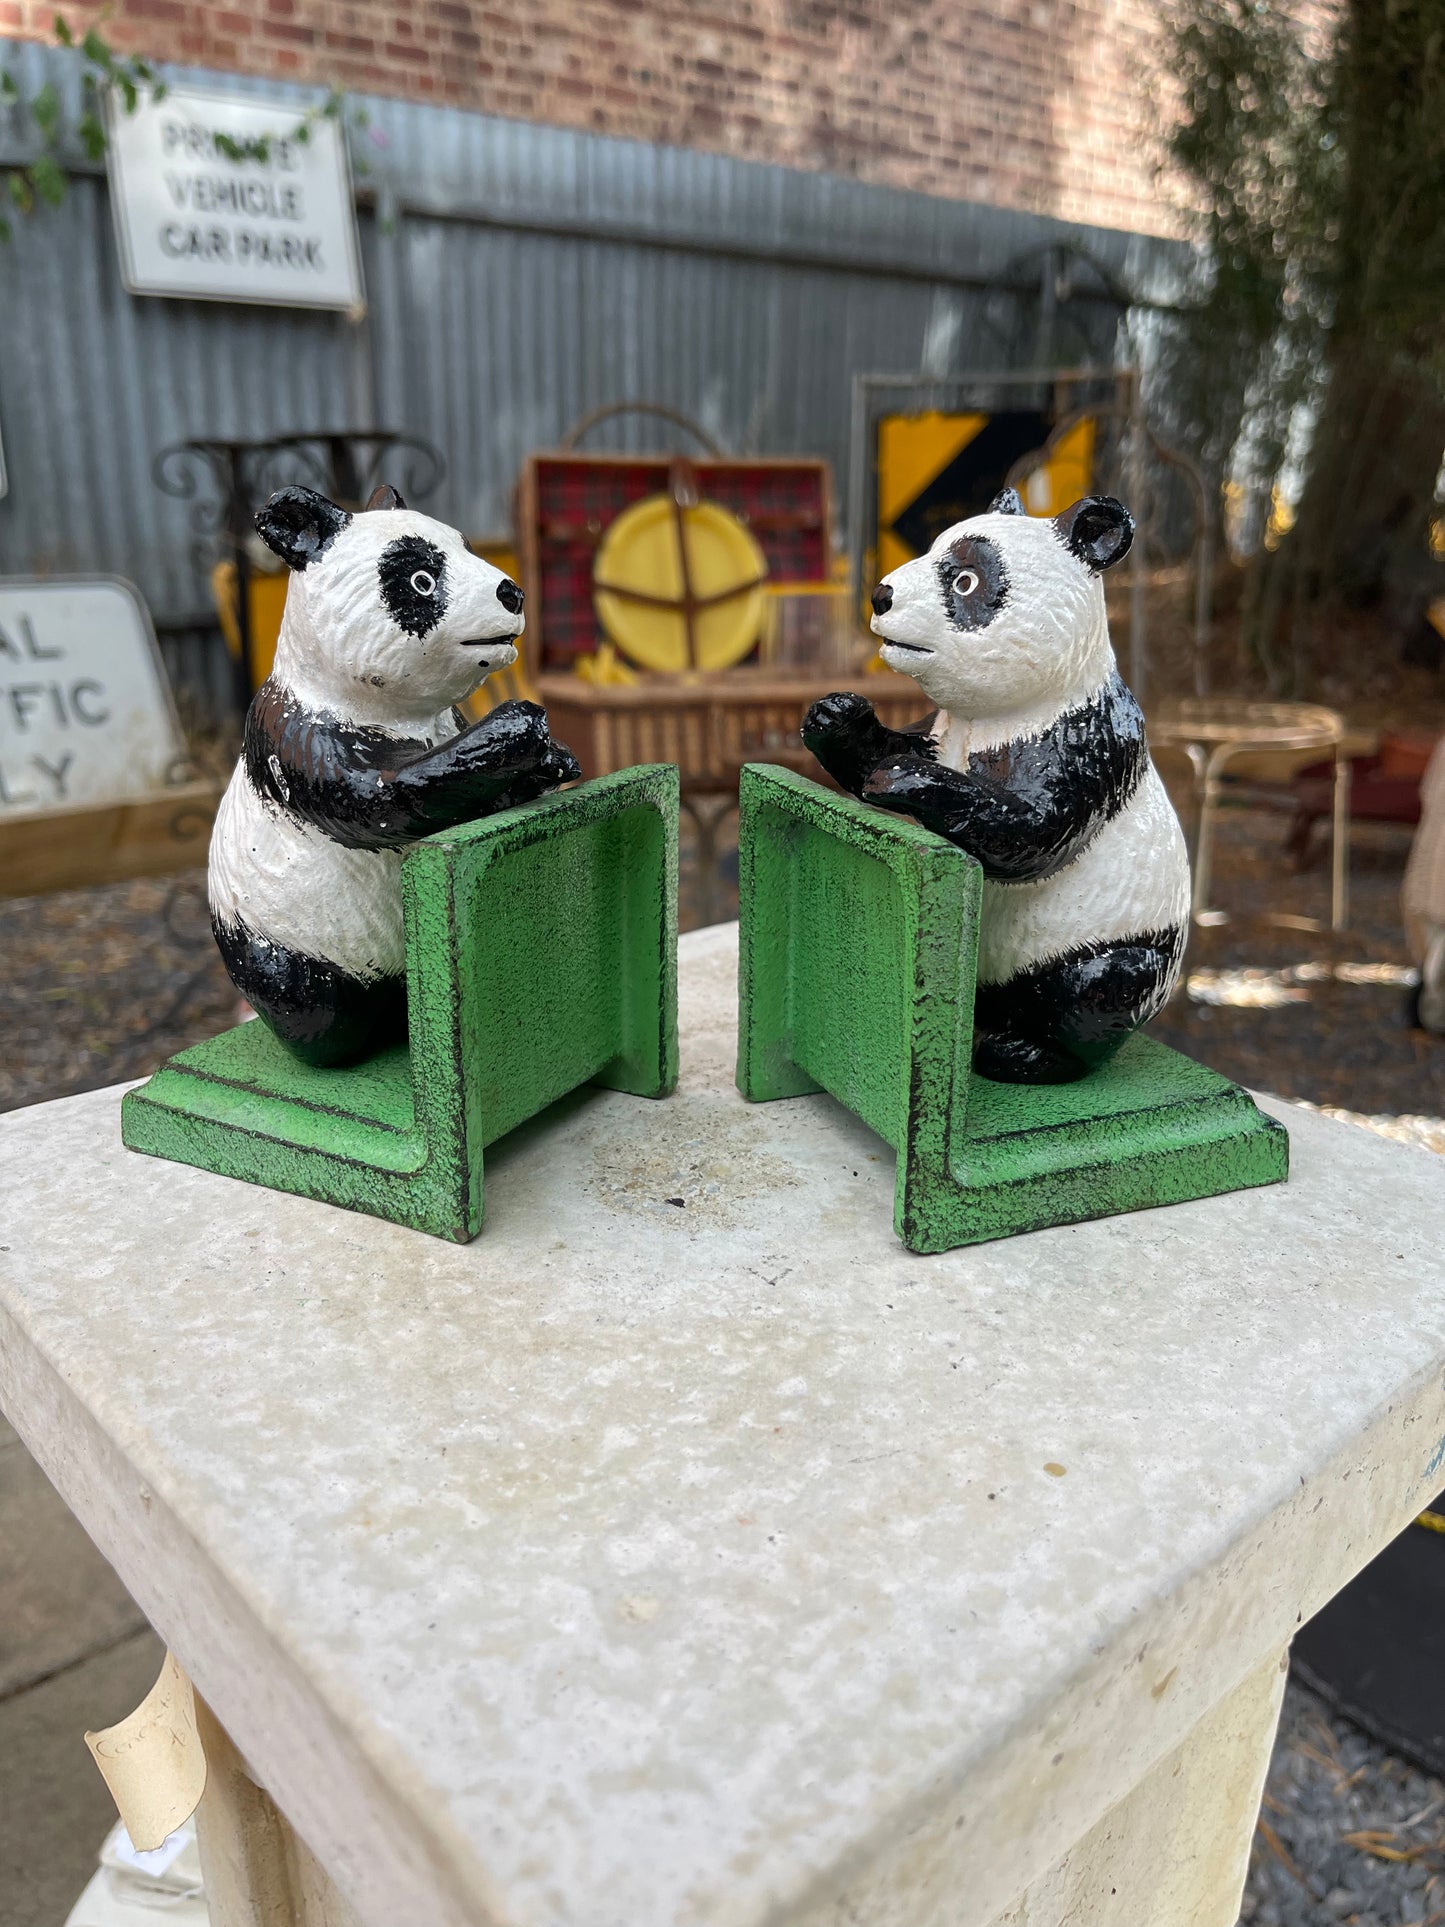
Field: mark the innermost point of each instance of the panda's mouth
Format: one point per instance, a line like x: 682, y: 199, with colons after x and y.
x: 908, y: 648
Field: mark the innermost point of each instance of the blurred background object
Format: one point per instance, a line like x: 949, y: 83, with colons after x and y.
x: 1423, y: 896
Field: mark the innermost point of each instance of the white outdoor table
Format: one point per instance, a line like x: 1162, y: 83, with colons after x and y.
x: 645, y: 1564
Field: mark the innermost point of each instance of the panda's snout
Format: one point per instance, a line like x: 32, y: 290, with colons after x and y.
x: 882, y: 599
x: 509, y: 594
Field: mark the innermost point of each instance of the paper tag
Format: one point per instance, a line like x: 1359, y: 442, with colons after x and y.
x: 153, y: 1761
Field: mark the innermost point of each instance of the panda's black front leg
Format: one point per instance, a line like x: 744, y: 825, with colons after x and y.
x: 1014, y: 837
x: 506, y: 758
x: 844, y: 733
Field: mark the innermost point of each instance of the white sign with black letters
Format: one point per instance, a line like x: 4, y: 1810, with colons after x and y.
x: 195, y: 221
x: 85, y: 712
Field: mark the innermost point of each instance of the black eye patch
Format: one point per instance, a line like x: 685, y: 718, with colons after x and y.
x: 974, y: 581
x: 413, y: 576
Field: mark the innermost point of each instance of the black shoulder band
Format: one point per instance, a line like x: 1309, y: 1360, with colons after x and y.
x: 1028, y: 808
x: 369, y: 790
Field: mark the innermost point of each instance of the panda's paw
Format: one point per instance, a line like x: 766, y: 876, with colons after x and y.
x: 513, y: 736
x: 842, y: 714
x: 559, y: 766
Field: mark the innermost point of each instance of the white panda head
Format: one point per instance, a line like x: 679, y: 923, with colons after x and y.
x: 389, y: 615
x: 1005, y: 613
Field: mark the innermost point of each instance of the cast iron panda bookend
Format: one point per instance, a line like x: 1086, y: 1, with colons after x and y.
x: 965, y: 955
x: 437, y: 947
x: 353, y: 750
x: 1035, y: 762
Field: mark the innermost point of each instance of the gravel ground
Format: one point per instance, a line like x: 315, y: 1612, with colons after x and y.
x: 1350, y: 1836
x: 1308, y: 1015
x: 100, y: 985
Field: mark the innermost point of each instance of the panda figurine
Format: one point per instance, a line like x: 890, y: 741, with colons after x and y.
x: 352, y: 750
x: 1036, y: 763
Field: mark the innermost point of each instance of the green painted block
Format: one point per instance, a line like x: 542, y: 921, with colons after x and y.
x: 857, y: 949
x: 541, y: 952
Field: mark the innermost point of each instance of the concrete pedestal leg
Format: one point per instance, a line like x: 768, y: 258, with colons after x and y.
x: 1174, y: 1852
x: 257, y: 1872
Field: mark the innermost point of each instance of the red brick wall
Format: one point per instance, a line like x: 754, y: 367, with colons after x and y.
x: 1038, y: 104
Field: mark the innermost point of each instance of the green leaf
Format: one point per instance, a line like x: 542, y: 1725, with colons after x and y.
x: 302, y: 136
x: 159, y: 91
x: 5, y: 230
x: 45, y: 109
x: 95, y: 49
x: 20, y: 192
x: 62, y: 31
x: 92, y: 136
x: 128, y: 93
x: 49, y: 179
x: 8, y: 89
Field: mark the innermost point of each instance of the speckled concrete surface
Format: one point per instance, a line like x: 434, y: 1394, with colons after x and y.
x: 648, y: 1562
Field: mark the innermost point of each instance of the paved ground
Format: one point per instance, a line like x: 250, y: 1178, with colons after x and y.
x: 74, y: 1654
x: 99, y: 985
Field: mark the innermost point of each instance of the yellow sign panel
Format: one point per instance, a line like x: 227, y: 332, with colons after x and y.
x: 935, y: 469
x: 912, y: 450
x: 1065, y: 474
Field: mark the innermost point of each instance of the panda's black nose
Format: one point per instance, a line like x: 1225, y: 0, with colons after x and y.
x: 510, y: 596
x: 882, y: 599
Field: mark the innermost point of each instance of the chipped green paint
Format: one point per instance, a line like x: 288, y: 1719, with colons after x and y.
x: 541, y: 954
x: 857, y: 951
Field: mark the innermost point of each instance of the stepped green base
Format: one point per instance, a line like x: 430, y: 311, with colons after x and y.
x: 857, y: 950
x: 541, y: 954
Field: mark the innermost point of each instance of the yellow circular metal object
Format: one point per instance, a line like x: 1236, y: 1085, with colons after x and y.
x: 680, y: 586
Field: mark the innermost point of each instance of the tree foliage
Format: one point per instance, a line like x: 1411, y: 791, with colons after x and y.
x: 1308, y: 368
x: 42, y: 180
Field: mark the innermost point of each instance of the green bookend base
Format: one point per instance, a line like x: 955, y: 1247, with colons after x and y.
x: 541, y: 954
x: 857, y: 951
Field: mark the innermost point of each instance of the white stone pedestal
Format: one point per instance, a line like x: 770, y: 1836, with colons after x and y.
x: 649, y: 1563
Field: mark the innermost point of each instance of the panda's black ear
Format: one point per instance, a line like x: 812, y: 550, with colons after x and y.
x: 297, y: 524
x: 1007, y: 502
x: 1099, y: 530
x: 384, y: 496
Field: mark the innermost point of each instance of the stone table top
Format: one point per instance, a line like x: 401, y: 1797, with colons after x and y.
x: 685, y: 1551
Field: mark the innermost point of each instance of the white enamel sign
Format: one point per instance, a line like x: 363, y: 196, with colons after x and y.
x: 85, y: 713
x: 192, y: 220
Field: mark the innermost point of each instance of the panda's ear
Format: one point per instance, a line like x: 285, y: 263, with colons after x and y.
x: 1098, y: 529
x: 297, y: 524
x: 1007, y: 502
x: 385, y: 497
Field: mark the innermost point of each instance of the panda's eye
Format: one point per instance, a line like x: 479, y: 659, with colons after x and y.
x: 423, y: 583
x: 964, y: 583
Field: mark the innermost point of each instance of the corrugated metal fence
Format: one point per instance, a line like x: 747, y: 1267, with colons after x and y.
x: 517, y: 275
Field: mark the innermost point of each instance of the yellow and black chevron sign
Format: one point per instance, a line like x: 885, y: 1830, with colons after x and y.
x: 935, y: 469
